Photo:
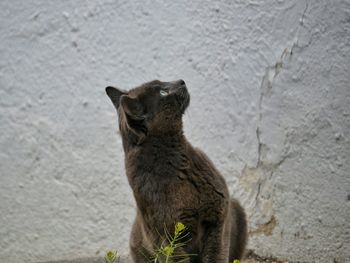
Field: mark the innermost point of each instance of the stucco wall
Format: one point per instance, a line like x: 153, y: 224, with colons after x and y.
x: 270, y: 86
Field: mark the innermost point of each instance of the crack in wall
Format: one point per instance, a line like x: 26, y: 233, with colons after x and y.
x: 301, y: 24
x: 271, y: 73
x: 257, y: 179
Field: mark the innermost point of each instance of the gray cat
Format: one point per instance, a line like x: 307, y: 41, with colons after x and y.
x: 172, y: 181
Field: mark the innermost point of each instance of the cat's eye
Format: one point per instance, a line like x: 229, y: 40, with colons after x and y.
x: 163, y: 93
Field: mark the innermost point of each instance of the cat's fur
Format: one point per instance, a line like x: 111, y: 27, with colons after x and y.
x: 173, y: 181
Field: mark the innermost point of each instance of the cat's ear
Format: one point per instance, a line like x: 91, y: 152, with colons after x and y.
x: 132, y: 107
x: 114, y: 94
x: 135, y: 118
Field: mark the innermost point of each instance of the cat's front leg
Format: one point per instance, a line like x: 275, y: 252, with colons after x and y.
x: 214, y: 248
x: 138, y: 245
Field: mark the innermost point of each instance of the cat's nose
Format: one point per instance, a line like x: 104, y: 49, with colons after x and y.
x: 181, y: 82
x: 177, y: 84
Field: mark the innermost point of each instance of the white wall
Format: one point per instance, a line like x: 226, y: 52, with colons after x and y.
x: 270, y: 105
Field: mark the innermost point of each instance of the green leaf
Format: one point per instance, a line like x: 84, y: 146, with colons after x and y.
x: 179, y: 227
x: 111, y: 256
x: 168, y: 250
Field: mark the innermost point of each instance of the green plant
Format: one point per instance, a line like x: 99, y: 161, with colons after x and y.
x: 170, y: 245
x: 167, y: 250
x: 111, y: 257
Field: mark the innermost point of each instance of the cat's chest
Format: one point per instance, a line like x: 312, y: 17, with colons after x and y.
x: 154, y: 164
x: 161, y: 200
x: 157, y: 178
x: 156, y: 185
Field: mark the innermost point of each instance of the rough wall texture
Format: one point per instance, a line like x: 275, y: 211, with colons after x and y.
x: 270, y: 105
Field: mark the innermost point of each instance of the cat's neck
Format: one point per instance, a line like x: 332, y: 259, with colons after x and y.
x: 167, y: 139
x: 159, y: 142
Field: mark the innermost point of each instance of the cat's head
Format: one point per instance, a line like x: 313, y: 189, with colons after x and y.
x: 152, y: 109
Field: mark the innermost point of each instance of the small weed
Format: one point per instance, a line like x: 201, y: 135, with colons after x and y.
x: 170, y: 244
x: 112, y: 257
x: 167, y: 250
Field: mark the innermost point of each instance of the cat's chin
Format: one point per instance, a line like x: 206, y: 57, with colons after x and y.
x: 183, y: 98
x: 185, y: 103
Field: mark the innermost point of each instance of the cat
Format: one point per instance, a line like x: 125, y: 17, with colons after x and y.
x: 171, y: 180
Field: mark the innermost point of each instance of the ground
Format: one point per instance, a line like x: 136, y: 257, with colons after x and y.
x: 251, y: 258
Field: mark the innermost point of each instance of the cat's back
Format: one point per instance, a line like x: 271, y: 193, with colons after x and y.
x: 205, y: 170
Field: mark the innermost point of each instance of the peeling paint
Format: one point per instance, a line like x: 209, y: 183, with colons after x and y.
x: 259, y: 186
x: 266, y: 228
